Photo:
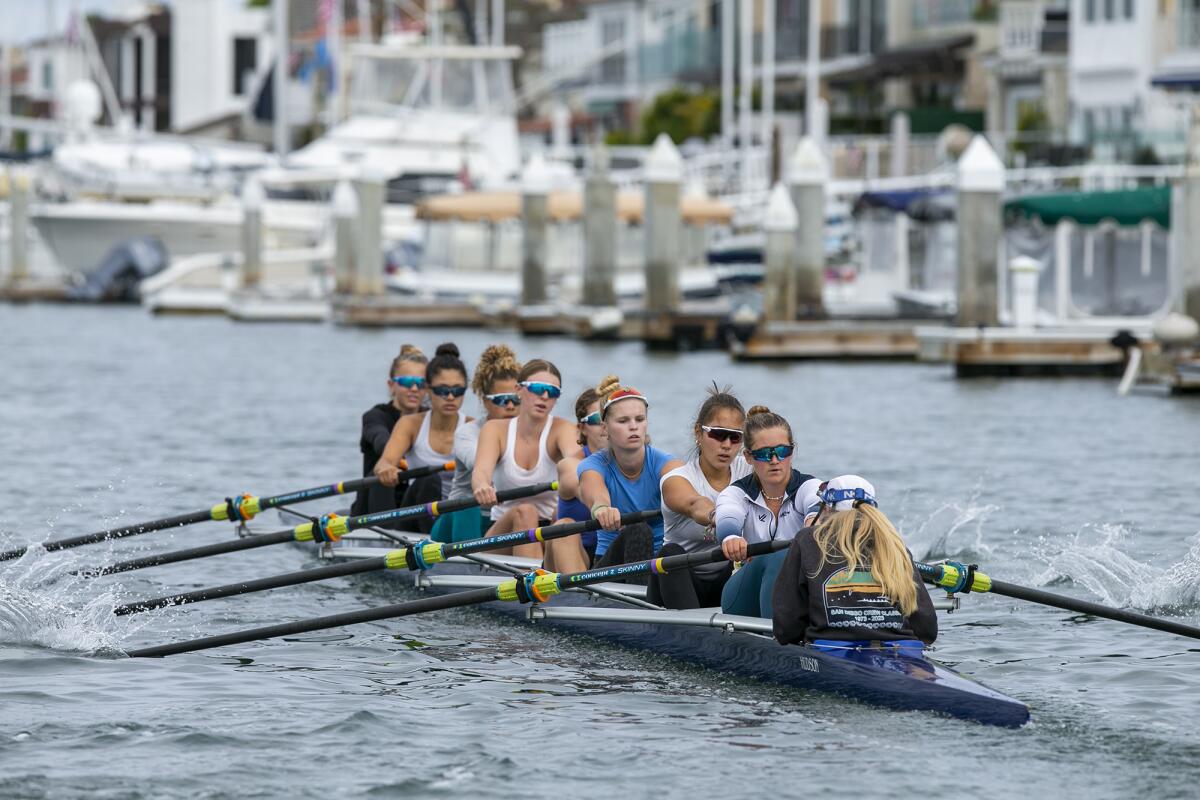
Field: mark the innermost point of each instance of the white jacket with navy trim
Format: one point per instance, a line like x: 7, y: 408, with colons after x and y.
x: 742, y: 511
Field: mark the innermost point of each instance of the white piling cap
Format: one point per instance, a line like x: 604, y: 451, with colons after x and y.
x: 1025, y: 264
x: 664, y: 164
x: 1177, y: 329
x: 979, y: 168
x: 808, y: 166
x: 536, y: 177
x: 781, y: 211
x: 253, y: 195
x: 345, y: 201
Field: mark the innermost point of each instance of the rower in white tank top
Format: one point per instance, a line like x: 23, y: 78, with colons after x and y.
x: 510, y: 475
x: 422, y: 454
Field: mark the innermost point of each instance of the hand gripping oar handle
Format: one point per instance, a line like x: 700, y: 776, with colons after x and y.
x: 426, y: 553
x: 956, y: 577
x: 506, y: 590
x: 242, y: 508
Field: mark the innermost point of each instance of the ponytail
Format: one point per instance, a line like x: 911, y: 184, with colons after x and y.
x: 864, y: 536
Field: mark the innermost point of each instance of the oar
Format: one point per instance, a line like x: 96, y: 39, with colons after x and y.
x: 329, y: 528
x: 532, y: 587
x: 420, y: 556
x: 235, y: 509
x: 955, y: 577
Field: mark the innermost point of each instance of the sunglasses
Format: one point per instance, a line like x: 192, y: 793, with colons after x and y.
x: 503, y: 399
x: 542, y: 389
x: 591, y: 419
x: 766, y: 454
x: 409, y: 381
x: 448, y: 391
x: 722, y: 434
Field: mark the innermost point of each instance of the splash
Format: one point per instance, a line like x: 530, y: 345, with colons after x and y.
x: 43, y: 605
x: 952, y: 530
x: 1096, y: 559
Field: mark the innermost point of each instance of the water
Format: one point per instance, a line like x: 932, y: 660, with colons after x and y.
x: 108, y: 416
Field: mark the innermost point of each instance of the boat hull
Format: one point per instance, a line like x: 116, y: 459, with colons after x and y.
x: 732, y: 644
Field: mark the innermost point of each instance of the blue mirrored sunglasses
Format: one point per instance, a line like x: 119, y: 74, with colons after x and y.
x: 448, y: 391
x: 542, y: 389
x: 409, y: 381
x: 503, y: 399
x: 591, y: 419
x: 780, y: 451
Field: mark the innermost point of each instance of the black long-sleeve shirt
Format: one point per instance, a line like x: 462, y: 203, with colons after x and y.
x: 377, y: 424
x: 835, y: 603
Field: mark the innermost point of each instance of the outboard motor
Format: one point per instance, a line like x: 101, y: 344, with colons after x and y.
x: 116, y: 278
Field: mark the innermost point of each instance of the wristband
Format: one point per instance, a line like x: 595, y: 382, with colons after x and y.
x: 598, y: 505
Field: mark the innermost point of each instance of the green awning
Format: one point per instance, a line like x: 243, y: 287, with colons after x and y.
x: 1125, y: 206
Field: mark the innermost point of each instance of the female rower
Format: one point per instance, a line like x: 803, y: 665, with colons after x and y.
x: 427, y: 438
x: 689, y: 501
x: 768, y: 504
x: 524, y: 450
x: 575, y: 553
x: 624, y: 477
x: 849, y: 580
x: 495, y: 383
x: 406, y: 390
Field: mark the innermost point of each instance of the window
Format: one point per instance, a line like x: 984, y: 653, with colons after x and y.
x: 48, y: 74
x: 245, y: 60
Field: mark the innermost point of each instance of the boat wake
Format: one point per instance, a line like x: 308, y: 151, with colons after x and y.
x: 1096, y: 560
x: 42, y: 605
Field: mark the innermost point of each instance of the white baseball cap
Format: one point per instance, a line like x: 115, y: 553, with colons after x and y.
x: 845, y: 492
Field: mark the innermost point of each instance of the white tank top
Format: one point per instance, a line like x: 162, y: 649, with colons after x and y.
x: 510, y: 475
x: 422, y: 454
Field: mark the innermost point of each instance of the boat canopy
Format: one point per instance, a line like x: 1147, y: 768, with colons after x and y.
x: 562, y: 207
x: 1124, y: 206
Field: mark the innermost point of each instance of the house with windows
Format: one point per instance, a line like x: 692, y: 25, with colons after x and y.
x: 154, y: 76
x: 1028, y: 109
x: 1126, y: 57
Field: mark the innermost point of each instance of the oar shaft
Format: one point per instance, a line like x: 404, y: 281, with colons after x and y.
x: 259, y: 585
x: 394, y: 559
x: 204, y: 551
x: 1095, y: 609
x: 191, y: 518
x: 457, y: 600
x: 506, y: 590
x: 441, y: 507
x: 115, y: 533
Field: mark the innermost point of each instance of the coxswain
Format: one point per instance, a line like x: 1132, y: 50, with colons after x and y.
x: 848, y: 581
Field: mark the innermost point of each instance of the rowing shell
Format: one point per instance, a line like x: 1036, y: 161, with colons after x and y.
x: 728, y: 643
